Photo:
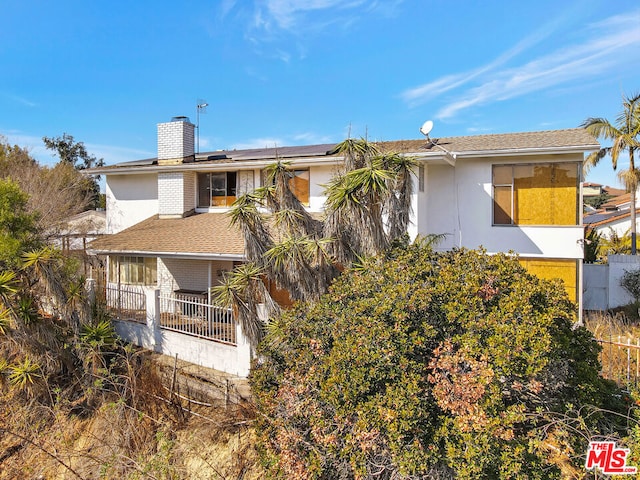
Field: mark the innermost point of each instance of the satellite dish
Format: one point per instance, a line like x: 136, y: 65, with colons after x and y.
x: 426, y: 128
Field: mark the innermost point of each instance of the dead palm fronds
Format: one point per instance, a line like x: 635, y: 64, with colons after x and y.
x: 368, y: 206
x: 244, y: 291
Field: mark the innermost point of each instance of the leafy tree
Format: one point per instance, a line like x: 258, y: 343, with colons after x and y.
x: 630, y: 281
x: 368, y: 207
x: 75, y: 154
x: 429, y: 365
x: 591, y: 245
x: 71, y: 152
x: 18, y: 232
x: 54, y: 193
x: 625, y: 135
x: 615, y: 244
x: 596, y: 202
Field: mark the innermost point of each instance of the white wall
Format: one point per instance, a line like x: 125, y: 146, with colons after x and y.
x: 595, y: 287
x: 235, y: 360
x: 319, y: 176
x: 175, y: 274
x: 618, y: 265
x: 460, y: 205
x: 620, y: 227
x: 130, y: 199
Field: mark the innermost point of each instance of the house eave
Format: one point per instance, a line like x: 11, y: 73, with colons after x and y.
x: 450, y: 157
x: 209, y: 167
x: 179, y: 255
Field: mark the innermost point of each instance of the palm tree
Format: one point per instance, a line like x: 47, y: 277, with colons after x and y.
x: 368, y: 207
x: 625, y: 136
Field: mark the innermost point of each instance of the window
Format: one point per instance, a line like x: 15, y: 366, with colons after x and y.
x: 564, y: 269
x: 299, y: 184
x: 536, y: 194
x: 216, y: 189
x: 133, y: 270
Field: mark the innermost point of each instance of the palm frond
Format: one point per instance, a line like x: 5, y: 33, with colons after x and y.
x: 8, y: 284
x: 244, y: 291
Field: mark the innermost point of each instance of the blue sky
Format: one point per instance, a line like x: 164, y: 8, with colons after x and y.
x: 293, y: 72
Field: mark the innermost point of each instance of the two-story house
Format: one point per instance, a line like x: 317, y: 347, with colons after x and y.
x: 168, y: 230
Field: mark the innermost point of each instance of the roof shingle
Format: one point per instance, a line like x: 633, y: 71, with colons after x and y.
x: 205, y: 233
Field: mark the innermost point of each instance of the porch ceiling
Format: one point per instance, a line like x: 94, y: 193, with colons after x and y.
x: 202, y: 235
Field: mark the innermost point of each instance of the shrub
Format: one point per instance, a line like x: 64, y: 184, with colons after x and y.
x: 427, y: 365
x: 630, y: 281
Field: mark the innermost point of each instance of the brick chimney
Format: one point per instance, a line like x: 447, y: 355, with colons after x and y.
x: 176, y: 141
x: 176, y: 189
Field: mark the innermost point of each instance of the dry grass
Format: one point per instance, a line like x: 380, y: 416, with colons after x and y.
x: 620, y: 341
x: 136, y: 432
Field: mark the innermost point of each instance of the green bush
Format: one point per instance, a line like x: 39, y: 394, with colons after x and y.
x: 428, y: 365
x: 630, y: 281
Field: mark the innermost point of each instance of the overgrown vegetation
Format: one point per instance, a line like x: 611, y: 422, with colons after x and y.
x: 368, y: 207
x: 74, y: 401
x: 432, y: 365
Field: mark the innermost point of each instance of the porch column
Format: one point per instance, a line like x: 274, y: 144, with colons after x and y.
x: 153, y: 317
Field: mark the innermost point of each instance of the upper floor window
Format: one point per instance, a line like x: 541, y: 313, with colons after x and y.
x: 300, y: 185
x: 216, y: 189
x: 133, y: 270
x: 536, y: 194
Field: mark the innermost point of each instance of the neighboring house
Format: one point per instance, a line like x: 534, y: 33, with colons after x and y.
x: 519, y: 192
x: 592, y: 190
x: 76, y: 233
x: 613, y: 217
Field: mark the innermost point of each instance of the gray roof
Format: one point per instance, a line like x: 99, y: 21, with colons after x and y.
x: 599, y: 218
x: 552, y: 140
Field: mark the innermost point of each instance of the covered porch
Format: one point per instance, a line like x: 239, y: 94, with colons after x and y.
x: 158, y: 288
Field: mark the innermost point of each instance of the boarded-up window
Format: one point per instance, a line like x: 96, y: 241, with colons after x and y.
x: 564, y: 269
x: 279, y: 295
x: 536, y: 194
x: 299, y: 184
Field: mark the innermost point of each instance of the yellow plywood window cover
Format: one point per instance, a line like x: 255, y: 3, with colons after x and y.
x: 564, y: 269
x: 545, y: 194
x: 299, y: 185
x: 536, y: 194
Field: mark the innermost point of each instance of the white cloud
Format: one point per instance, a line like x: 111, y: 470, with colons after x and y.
x: 610, y: 43
x: 114, y: 154
x: 290, y: 23
x: 18, y: 99
x: 287, y: 14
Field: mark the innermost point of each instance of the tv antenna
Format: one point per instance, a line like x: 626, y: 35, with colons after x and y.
x: 201, y: 107
x: 425, y: 129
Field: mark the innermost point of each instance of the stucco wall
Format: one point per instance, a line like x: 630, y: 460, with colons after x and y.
x: 620, y: 227
x: 319, y: 176
x: 460, y: 205
x: 130, y: 199
x: 175, y: 274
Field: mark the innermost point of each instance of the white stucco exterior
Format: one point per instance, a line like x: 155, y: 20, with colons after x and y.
x: 458, y: 202
x: 130, y: 199
x: 452, y: 195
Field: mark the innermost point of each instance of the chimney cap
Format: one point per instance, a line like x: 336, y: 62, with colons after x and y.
x: 180, y: 118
